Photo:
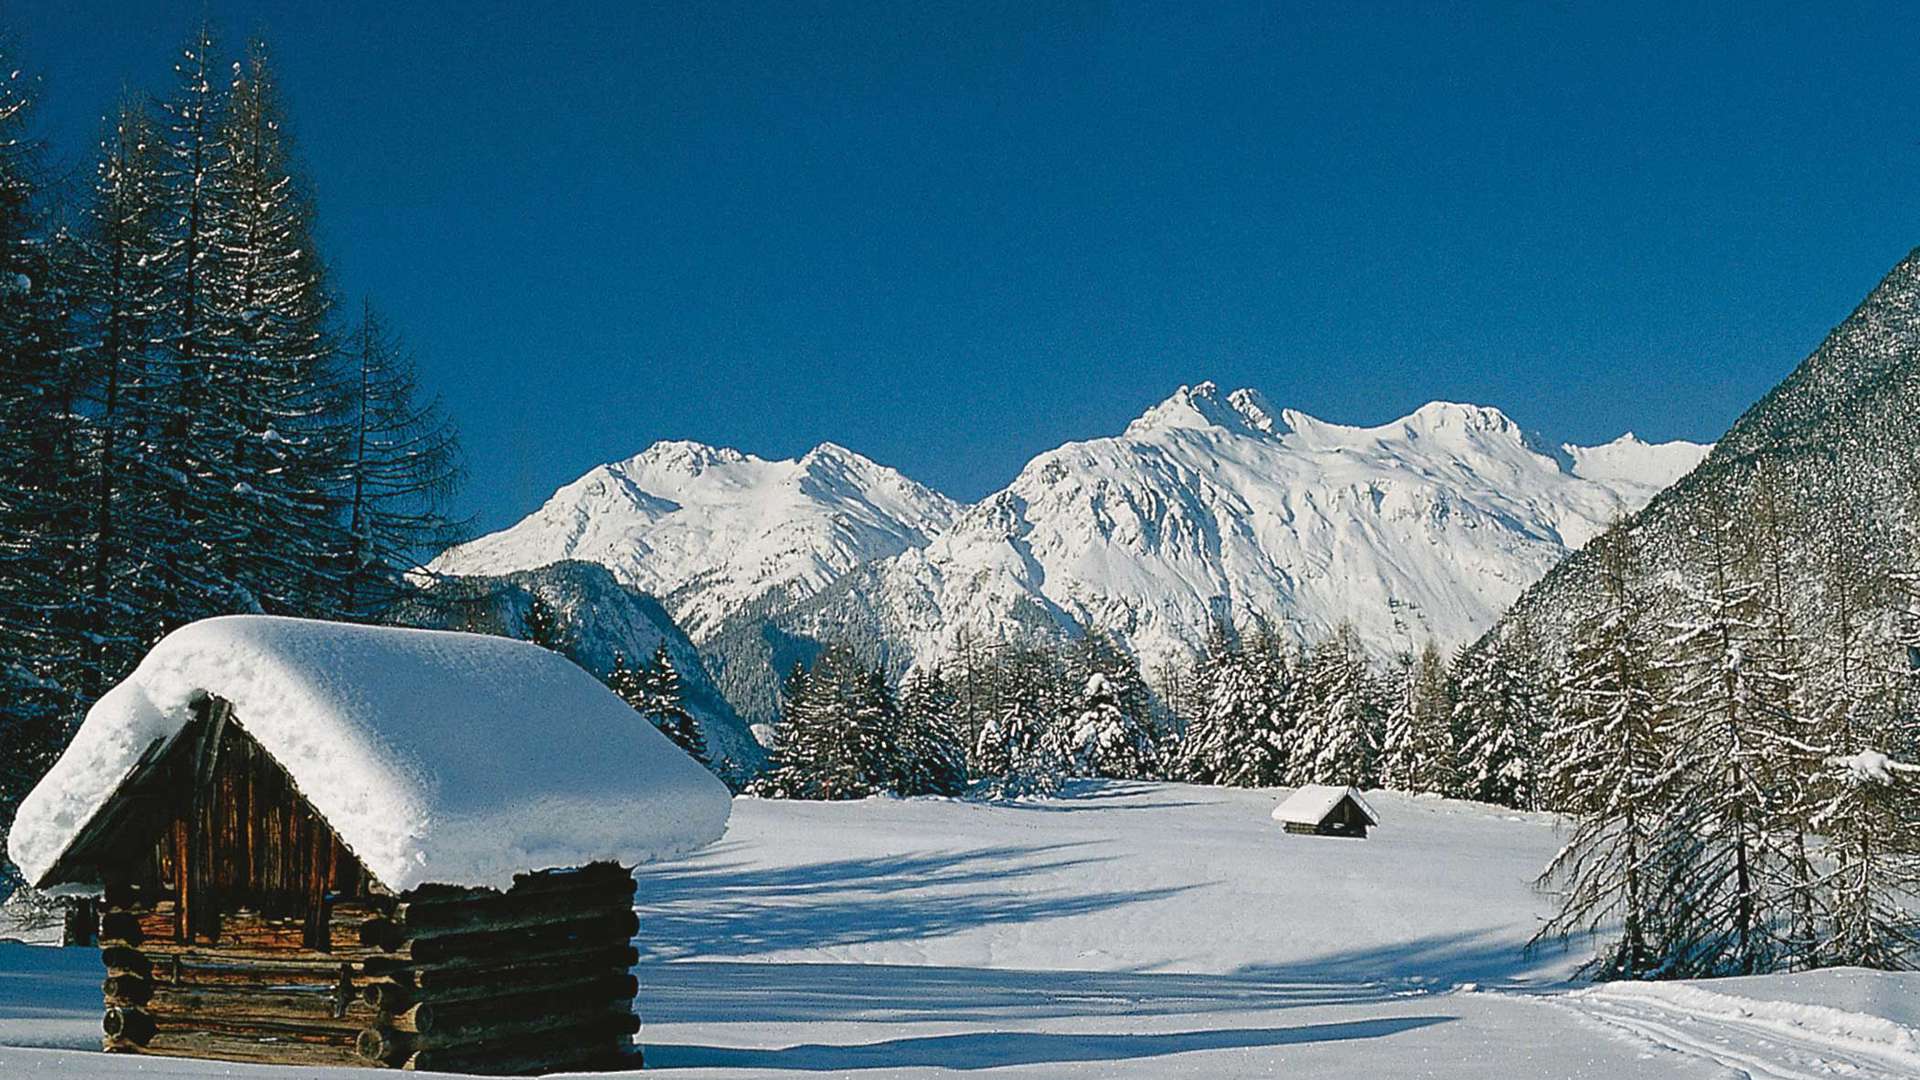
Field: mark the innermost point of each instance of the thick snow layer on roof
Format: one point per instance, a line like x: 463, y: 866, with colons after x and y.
x: 1311, y: 804
x: 437, y: 757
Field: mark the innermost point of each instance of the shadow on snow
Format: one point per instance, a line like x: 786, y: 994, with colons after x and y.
x: 1000, y: 1049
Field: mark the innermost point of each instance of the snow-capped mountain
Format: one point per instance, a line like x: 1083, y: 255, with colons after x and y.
x: 1215, y: 504
x: 713, y: 531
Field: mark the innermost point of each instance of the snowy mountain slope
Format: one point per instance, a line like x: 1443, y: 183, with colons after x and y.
x: 1214, y: 504
x: 597, y: 617
x: 712, y: 530
x: 1831, y: 448
x: 1122, y: 930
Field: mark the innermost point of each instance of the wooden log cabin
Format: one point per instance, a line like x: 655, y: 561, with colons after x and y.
x: 441, y: 917
x: 1326, y: 810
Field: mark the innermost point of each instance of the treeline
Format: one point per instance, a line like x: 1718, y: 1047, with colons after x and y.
x: 191, y: 423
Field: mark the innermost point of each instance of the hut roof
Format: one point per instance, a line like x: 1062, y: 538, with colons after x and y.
x: 435, y: 756
x: 1311, y: 804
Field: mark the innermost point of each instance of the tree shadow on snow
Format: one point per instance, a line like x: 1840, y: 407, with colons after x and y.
x: 764, y: 992
x: 725, y: 908
x: 1000, y: 1049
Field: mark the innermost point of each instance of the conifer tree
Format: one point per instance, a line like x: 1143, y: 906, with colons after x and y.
x: 542, y: 623
x: 401, y: 466
x: 933, y: 755
x: 272, y: 430
x: 1341, y: 716
x: 1717, y: 714
x: 662, y: 699
x: 1611, y: 763
x: 1417, y: 752
x: 836, y: 731
x: 1021, y: 750
x: 1499, y: 715
x: 41, y: 519
x: 119, y: 307
x: 183, y: 447
x: 1109, y: 719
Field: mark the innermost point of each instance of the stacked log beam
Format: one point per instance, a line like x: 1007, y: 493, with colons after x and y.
x: 535, y: 979
x: 252, y: 991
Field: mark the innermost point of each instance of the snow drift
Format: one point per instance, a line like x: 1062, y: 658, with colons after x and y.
x: 436, y: 756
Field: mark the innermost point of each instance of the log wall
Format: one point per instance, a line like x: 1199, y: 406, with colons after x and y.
x: 236, y: 925
x: 535, y: 979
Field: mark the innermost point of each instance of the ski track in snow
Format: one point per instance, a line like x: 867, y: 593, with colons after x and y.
x: 1759, y: 1040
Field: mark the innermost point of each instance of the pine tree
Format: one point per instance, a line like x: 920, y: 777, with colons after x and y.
x: 183, y: 448
x: 1021, y: 750
x: 664, y: 703
x: 832, y: 738
x: 272, y: 429
x: 42, y: 516
x: 119, y: 319
x: 1610, y: 760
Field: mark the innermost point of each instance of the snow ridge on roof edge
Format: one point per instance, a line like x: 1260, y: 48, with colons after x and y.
x: 436, y: 756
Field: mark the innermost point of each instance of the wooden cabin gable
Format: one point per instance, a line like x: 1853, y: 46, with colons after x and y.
x: 213, y: 824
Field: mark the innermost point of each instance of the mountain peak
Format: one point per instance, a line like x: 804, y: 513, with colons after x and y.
x: 687, y: 456
x: 1202, y: 406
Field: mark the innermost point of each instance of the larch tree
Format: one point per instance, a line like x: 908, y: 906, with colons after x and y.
x: 1611, y: 762
x: 273, y: 429
x: 401, y: 465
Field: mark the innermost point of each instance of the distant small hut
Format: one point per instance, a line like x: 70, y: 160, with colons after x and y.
x: 323, y: 844
x: 1326, y: 810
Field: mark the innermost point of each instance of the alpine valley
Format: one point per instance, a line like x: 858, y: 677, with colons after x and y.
x: 1209, y: 506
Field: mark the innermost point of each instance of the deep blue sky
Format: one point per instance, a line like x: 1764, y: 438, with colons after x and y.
x: 952, y: 238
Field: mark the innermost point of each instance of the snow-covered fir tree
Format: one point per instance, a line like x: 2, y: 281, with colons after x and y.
x: 1417, y: 746
x: 663, y: 701
x: 932, y: 750
x: 118, y: 313
x: 270, y: 427
x: 1110, y: 711
x: 820, y: 751
x: 42, y: 651
x: 1022, y: 750
x: 1245, y: 735
x: 1342, y: 714
x: 1500, y: 710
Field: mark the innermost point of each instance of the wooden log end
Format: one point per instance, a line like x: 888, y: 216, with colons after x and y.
x: 128, y: 1024
x: 123, y: 989
x: 380, y: 1044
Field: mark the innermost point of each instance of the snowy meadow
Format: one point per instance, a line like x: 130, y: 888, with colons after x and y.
x: 1122, y: 929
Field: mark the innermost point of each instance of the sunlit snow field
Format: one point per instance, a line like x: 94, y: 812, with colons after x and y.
x: 1123, y: 930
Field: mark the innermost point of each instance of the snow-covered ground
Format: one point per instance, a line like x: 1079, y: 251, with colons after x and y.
x: 1125, y: 930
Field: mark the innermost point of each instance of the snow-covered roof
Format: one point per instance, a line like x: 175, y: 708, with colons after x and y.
x: 1311, y: 804
x: 437, y: 757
